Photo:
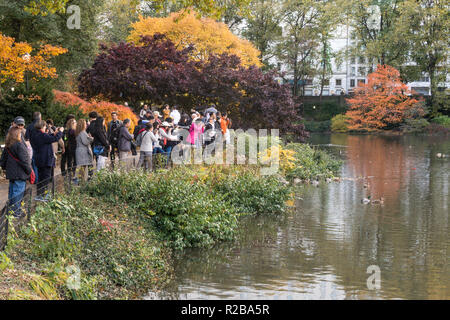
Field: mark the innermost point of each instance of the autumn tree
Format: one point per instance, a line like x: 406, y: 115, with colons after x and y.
x: 152, y: 71
x: 16, y: 59
x: 155, y: 72
x: 383, y: 103
x: 36, y: 29
x: 206, y: 35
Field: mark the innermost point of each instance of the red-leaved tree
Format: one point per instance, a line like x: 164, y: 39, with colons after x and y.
x: 384, y: 102
x: 156, y: 72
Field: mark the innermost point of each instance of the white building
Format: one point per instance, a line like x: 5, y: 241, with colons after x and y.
x: 347, y: 74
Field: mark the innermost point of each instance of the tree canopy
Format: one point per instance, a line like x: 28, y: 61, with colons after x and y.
x: 155, y: 71
x: 383, y: 103
x: 206, y: 35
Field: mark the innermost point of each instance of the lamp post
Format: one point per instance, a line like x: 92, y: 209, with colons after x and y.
x: 27, y: 58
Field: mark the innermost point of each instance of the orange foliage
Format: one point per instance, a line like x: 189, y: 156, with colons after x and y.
x: 207, y: 35
x: 382, y: 102
x: 103, y: 108
x: 14, y: 62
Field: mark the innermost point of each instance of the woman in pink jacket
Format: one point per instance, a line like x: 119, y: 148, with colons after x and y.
x: 196, y: 130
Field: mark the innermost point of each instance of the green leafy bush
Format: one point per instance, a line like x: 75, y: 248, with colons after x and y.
x: 317, y: 126
x: 415, y: 125
x: 312, y: 163
x: 38, y: 98
x: 187, y: 213
x: 192, y: 206
x: 442, y: 120
x: 115, y: 255
x: 339, y: 123
x: 322, y: 111
x: 249, y: 192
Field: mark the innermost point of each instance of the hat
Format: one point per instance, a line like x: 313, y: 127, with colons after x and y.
x: 165, y: 124
x: 156, y: 114
x: 19, y: 121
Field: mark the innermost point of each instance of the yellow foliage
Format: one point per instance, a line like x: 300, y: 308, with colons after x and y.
x: 276, y: 153
x: 14, y: 62
x: 207, y: 35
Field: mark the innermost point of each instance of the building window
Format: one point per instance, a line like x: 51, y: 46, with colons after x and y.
x: 361, y: 82
x: 362, y: 71
x: 338, y: 82
x: 424, y: 79
x: 353, y: 72
x: 326, y: 82
x: 309, y: 82
x: 362, y: 60
x: 352, y: 60
x: 352, y: 83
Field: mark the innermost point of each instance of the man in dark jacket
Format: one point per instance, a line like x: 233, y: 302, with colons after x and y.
x: 113, y: 135
x: 44, y: 156
x: 28, y: 134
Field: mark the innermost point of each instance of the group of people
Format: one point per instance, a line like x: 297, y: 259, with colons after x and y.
x: 160, y: 133
x: 31, y: 150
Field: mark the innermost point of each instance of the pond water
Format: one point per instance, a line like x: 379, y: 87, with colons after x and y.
x: 323, y: 249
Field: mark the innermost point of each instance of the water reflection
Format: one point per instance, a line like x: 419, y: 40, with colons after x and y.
x: 323, y: 249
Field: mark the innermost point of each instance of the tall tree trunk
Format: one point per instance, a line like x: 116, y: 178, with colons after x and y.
x: 433, y: 89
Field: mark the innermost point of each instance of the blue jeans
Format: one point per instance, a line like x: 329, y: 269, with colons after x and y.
x: 15, y: 196
x: 168, y: 151
x: 33, y: 165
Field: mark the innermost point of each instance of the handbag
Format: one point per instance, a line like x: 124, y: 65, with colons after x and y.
x: 98, y: 150
x: 32, y: 178
x: 133, y: 148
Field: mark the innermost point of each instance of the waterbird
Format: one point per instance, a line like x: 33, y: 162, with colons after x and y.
x: 366, y: 200
x: 378, y: 201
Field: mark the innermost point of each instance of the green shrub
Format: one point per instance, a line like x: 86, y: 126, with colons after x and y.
x: 312, y: 163
x: 251, y: 193
x: 38, y: 98
x: 415, y: 125
x: 339, y: 123
x: 193, y: 206
x: 97, y: 239
x: 185, y: 212
x: 323, y: 111
x: 317, y: 126
x: 442, y: 120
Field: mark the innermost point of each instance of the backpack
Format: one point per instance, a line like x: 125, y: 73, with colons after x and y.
x: 115, y: 132
x: 140, y: 138
x: 65, y: 138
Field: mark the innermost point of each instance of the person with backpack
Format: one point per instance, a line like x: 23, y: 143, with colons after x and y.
x: 100, y: 145
x: 16, y: 162
x: 113, y: 135
x: 145, y: 141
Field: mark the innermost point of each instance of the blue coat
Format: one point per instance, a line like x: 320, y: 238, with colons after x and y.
x: 42, y: 148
